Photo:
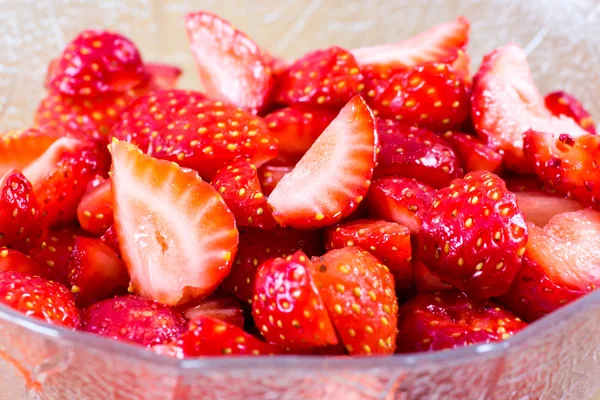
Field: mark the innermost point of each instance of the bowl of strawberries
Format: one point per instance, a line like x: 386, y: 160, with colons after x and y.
x: 292, y: 200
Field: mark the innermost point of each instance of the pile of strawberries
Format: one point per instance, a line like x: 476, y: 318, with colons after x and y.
x: 352, y: 202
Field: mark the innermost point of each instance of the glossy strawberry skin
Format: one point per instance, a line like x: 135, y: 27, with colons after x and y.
x: 426, y: 281
x: 225, y: 308
x: 15, y: 261
x: 562, y: 103
x: 94, y: 211
x: 110, y: 239
x: 473, y: 153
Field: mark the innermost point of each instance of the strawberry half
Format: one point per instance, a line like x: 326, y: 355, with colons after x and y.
x: 272, y: 172
x: 426, y: 281
x: 176, y: 234
x: 54, y: 252
x: 446, y: 320
x: 15, y: 261
x: 473, y: 153
x: 18, y: 149
x: 163, y: 76
x: 94, y: 211
x: 474, y: 235
x: 334, y: 175
x: 225, y: 308
x: 562, y: 103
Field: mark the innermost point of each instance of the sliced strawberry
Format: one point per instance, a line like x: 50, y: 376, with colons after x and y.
x: 194, y: 132
x: 387, y: 241
x: 54, y: 252
x: 334, y: 175
x: 110, y: 239
x: 163, y: 76
x: 20, y: 148
x: 257, y: 246
x: 272, y: 172
x: 176, y: 234
x: 473, y: 153
x: 539, y: 206
x: 562, y: 103
x: 232, y: 67
x: 133, y: 319
x: 95, y: 271
x: 561, y: 264
x: 474, y: 235
x: 359, y: 294
x: 39, y: 298
x: 15, y: 261
x: 286, y: 306
x: 427, y: 281
x: 94, y: 211
x: 225, y: 308
x: 239, y: 186
x: 446, y: 320
x: 506, y: 103
x: 415, y: 153
x: 400, y: 200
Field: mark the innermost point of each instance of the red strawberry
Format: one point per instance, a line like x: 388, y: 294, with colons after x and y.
x: 18, y: 149
x: 163, y: 76
x: 415, y: 153
x: 39, y: 298
x: 177, y: 236
x: 286, y: 306
x: 334, y: 175
x: 15, y: 261
x: 328, y: 78
x: 239, y: 186
x: 473, y: 153
x: 446, y: 320
x: 272, y: 172
x: 562, y: 103
x: 359, y: 294
x: 54, y: 252
x: 95, y: 271
x: 222, y: 307
x: 426, y: 281
x: 257, y: 246
x: 561, y: 264
x: 232, y: 67
x: 506, y: 103
x: 474, y: 235
x: 133, y: 319
x: 94, y: 211
x: 400, y: 200
x: 97, y: 62
x: 110, y: 239
x: 194, y: 132
x: 387, y: 241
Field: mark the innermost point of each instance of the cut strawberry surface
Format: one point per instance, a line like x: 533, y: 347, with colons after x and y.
x: 54, y: 252
x: 286, y: 306
x: 473, y: 153
x: 163, y: 76
x: 225, y: 308
x: 427, y: 281
x: 334, y: 175
x: 539, y: 206
x: 474, y: 235
x: 15, y: 261
x: 94, y: 211
x: 272, y: 172
x: 232, y: 67
x: 415, y: 153
x: 562, y: 103
x: 20, y: 148
x: 176, y: 234
x: 110, y: 239
x: 446, y: 320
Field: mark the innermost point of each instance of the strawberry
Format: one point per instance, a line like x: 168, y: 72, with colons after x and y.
x: 473, y: 153
x: 387, y: 241
x: 197, y: 133
x: 257, y: 246
x: 222, y: 307
x: 446, y: 320
x: 474, y: 235
x: 133, y: 319
x: 37, y: 297
x: 239, y: 186
x: 232, y: 67
x: 505, y: 103
x: 163, y: 76
x: 358, y: 292
x: 95, y: 271
x: 94, y: 211
x: 286, y: 306
x: 95, y: 63
x: 426, y: 281
x: 561, y: 264
x: 400, y: 200
x: 54, y: 252
x: 333, y: 176
x: 562, y: 103
x: 18, y: 149
x: 176, y: 234
x: 272, y: 172
x: 326, y: 78
x: 110, y: 239
x: 415, y: 153
x: 15, y: 261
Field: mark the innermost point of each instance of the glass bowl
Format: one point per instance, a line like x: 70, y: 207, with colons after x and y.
x: 557, y: 357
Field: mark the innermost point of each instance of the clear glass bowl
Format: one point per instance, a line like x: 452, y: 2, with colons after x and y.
x: 556, y: 357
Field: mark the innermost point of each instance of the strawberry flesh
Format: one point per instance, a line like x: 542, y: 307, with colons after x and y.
x: 427, y: 281
x: 110, y: 239
x: 473, y: 153
x: 15, y: 261
x: 163, y: 76
x: 272, y: 172
x: 562, y: 103
x: 225, y: 308
x: 18, y: 149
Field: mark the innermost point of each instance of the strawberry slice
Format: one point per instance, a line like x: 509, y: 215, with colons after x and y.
x: 176, y: 234
x: 272, y: 172
x: 561, y: 264
x: 387, y: 241
x: 427, y: 281
x: 400, y: 200
x: 286, y: 306
x: 163, y: 76
x: 18, y: 149
x: 239, y: 186
x: 359, y: 294
x: 94, y: 211
x: 473, y: 153
x: 54, y: 252
x: 415, y: 153
x: 133, y: 319
x: 95, y: 271
x: 474, y: 235
x: 506, y: 103
x: 222, y: 307
x: 334, y: 175
x: 15, y: 261
x: 257, y: 246
x: 232, y: 67
x: 110, y: 239
x: 446, y: 320
x: 562, y: 103
x: 39, y: 298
